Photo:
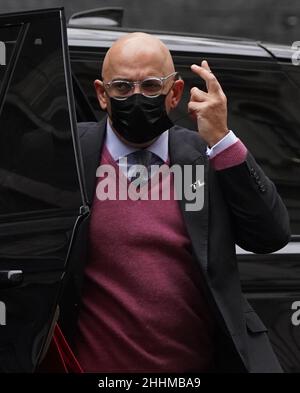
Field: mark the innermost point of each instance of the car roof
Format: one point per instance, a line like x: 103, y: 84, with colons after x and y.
x: 281, y: 52
x: 177, y: 42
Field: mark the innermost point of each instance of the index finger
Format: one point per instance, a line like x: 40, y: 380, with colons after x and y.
x: 212, y: 84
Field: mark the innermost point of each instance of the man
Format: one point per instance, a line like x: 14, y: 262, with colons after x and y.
x: 158, y: 285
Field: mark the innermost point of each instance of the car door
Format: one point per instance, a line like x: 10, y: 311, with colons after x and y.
x: 42, y: 198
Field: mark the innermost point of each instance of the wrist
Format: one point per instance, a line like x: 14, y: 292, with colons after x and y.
x: 216, y: 138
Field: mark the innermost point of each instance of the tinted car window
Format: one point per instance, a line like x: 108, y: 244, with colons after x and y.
x: 86, y: 72
x: 37, y: 164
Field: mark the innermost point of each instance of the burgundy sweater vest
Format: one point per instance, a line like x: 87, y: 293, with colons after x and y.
x: 143, y: 307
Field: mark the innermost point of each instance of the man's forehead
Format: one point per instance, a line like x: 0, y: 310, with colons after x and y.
x: 135, y: 68
x: 129, y: 55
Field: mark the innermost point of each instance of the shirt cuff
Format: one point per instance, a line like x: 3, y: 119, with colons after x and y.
x: 228, y: 140
x: 232, y: 156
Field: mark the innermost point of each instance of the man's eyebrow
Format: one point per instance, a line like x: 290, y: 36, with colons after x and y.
x: 118, y: 78
x: 123, y: 78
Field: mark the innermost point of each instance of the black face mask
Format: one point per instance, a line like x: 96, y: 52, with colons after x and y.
x: 139, y: 119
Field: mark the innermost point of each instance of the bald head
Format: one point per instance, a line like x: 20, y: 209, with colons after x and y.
x: 136, y: 56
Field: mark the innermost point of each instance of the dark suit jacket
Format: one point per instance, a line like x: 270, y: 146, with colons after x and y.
x: 241, y: 206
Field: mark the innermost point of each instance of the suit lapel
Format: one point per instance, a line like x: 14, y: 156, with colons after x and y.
x: 92, y: 140
x: 186, y: 148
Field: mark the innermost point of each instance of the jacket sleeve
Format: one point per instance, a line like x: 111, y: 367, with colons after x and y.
x: 260, y: 218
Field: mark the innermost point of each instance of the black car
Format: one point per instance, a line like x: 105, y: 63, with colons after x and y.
x: 46, y: 87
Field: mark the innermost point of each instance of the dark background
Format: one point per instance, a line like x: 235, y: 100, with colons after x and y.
x: 265, y: 20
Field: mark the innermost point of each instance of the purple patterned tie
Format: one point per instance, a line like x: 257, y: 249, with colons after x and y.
x: 141, y: 157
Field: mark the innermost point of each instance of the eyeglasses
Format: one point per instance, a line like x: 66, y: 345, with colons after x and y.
x: 150, y: 87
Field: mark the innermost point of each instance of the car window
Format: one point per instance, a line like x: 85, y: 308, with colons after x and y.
x: 37, y: 162
x: 86, y: 71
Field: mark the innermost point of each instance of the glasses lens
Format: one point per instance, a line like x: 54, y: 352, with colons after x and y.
x: 120, y: 89
x: 151, y: 86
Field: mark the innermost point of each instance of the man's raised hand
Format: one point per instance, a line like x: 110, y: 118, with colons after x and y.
x: 209, y: 108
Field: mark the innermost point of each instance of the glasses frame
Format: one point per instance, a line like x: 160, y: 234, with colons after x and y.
x: 162, y: 79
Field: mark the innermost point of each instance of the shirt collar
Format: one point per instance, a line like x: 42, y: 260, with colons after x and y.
x: 118, y: 149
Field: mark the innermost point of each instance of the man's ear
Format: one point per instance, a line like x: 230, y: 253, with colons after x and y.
x: 177, y: 90
x: 101, y: 94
